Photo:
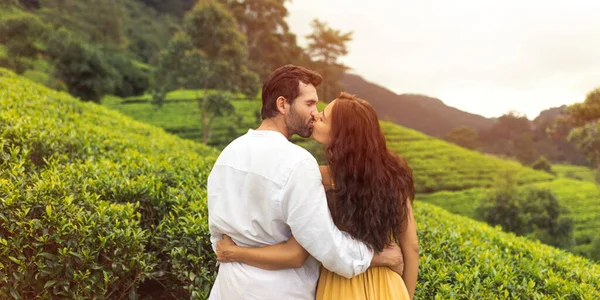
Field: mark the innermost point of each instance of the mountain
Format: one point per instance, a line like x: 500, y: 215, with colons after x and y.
x: 551, y: 113
x: 419, y: 112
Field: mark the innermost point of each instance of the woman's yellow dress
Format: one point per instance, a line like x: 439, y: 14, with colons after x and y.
x: 377, y: 283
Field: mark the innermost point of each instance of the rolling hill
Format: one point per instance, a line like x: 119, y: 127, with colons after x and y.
x: 426, y: 114
x: 96, y: 204
x: 437, y: 165
x: 445, y: 174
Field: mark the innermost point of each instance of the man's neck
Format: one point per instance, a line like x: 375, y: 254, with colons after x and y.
x: 274, y: 124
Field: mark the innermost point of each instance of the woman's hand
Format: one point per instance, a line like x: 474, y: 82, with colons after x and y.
x: 226, y: 249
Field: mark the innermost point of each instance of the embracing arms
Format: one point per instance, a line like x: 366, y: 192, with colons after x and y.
x: 313, y: 233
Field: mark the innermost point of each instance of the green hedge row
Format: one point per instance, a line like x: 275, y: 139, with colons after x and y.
x: 93, y: 203
x: 465, y: 259
x: 443, y: 166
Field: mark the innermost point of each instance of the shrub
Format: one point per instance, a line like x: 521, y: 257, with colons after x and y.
x: 534, y: 212
x: 542, y: 164
x: 82, y: 67
x: 84, y: 193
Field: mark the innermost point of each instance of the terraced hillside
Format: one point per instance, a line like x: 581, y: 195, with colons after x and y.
x: 438, y: 165
x: 95, y: 204
x: 581, y: 198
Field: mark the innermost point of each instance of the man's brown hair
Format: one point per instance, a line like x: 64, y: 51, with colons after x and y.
x: 284, y: 82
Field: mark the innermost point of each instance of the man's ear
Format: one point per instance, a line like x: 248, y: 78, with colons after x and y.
x: 282, y: 105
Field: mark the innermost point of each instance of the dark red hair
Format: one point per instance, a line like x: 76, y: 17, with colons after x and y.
x: 372, y: 183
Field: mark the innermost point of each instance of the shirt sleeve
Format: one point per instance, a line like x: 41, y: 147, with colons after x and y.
x: 305, y: 210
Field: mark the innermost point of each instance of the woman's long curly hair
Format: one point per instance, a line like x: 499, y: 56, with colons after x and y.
x: 372, y: 184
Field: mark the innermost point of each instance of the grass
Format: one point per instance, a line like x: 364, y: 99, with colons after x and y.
x: 3, y: 52
x: 575, y: 172
x: 181, y: 115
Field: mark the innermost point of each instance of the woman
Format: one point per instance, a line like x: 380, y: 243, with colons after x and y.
x: 370, y: 191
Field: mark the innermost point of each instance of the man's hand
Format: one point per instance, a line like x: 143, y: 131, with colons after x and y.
x: 390, y: 257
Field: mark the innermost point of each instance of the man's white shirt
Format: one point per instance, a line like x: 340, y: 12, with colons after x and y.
x: 262, y: 189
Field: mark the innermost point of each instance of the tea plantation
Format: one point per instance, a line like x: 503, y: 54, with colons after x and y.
x: 94, y: 204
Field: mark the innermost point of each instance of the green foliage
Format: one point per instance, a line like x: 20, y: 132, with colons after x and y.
x: 325, y: 47
x: 585, y: 117
x: 210, y: 53
x: 82, y: 67
x: 580, y: 198
x: 78, y: 176
x: 20, y: 33
x: 213, y: 30
x: 595, y: 252
x: 504, y: 207
x: 88, y: 200
x: 270, y: 42
x: 180, y: 114
x: 464, y: 259
x: 574, y: 172
x: 132, y: 78
x: 542, y: 164
x: 438, y: 165
x: 174, y: 7
x: 465, y: 137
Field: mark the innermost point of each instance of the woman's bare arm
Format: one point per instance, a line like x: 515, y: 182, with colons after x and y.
x: 326, y: 177
x: 409, y: 243
x: 286, y: 255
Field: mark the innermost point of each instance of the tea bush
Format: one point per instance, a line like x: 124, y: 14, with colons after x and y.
x: 439, y: 165
x: 96, y: 205
x: 465, y: 259
x: 92, y: 201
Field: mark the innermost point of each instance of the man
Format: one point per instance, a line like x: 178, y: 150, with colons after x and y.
x: 263, y: 188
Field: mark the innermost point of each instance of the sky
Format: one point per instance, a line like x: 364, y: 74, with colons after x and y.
x: 480, y: 56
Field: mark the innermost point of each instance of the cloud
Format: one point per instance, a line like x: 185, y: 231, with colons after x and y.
x: 485, y: 57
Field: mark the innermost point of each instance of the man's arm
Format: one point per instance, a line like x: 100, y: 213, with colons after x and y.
x: 304, y: 207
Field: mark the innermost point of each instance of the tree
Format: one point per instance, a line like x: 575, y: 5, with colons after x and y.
x: 325, y: 47
x: 463, y: 136
x: 532, y: 212
x: 585, y: 119
x: 30, y: 4
x: 270, y: 42
x: 173, y: 7
x: 502, y: 206
x: 524, y: 149
x: 209, y: 54
x: 21, y: 35
x: 511, y: 135
x: 82, y: 67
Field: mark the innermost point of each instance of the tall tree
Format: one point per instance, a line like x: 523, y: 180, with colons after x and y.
x: 585, y: 118
x: 512, y: 136
x: 270, y: 42
x: 326, y: 46
x: 209, y: 54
